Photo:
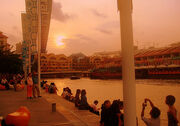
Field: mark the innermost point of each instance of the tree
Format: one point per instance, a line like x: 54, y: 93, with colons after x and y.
x: 10, y: 62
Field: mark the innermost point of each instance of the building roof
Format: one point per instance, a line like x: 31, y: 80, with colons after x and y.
x: 2, y: 36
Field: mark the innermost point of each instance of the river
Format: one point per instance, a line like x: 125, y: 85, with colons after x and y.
x: 101, y: 90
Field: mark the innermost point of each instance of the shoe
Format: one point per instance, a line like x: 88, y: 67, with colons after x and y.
x: 39, y: 96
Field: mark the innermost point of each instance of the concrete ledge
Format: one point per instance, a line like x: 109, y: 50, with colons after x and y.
x: 69, y: 111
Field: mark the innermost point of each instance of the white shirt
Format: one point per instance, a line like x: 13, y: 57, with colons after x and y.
x: 94, y: 107
x: 151, y: 121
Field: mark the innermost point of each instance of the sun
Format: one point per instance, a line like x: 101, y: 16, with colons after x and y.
x: 59, y: 41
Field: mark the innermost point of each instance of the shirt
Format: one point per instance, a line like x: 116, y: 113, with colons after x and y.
x: 35, y: 79
x: 151, y: 121
x: 94, y: 107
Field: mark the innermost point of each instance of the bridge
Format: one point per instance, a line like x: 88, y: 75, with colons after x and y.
x: 62, y: 74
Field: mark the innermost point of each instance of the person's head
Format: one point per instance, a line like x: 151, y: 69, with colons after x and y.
x: 96, y: 102
x: 107, y: 104
x: 78, y: 91
x: 83, y: 92
x: 115, y: 105
x: 155, y: 112
x: 170, y: 100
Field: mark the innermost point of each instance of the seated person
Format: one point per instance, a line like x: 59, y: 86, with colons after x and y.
x: 93, y: 107
x: 52, y: 88
x: 4, y: 82
x: 154, y: 113
x: 77, y: 99
x: 83, y: 102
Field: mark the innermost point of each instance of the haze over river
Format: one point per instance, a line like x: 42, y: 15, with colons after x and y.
x: 101, y: 90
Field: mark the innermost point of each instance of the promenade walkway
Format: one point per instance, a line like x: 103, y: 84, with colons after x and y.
x: 40, y: 109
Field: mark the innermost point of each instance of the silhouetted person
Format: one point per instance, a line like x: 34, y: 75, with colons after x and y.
x: 172, y: 112
x: 154, y: 113
x: 77, y: 98
x: 106, y: 114
x: 83, y: 103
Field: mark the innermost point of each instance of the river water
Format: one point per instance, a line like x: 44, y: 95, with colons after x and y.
x: 101, y: 90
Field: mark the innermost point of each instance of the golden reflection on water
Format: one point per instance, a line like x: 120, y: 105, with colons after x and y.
x: 102, y: 90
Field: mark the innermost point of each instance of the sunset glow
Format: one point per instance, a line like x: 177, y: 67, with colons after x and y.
x: 59, y: 41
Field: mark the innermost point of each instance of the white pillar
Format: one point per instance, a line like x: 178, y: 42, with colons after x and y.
x: 39, y: 41
x: 128, y: 72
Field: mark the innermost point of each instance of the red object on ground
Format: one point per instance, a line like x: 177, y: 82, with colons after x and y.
x: 19, y: 118
x: 2, y: 87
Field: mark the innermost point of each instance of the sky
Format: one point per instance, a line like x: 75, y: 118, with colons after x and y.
x: 90, y: 26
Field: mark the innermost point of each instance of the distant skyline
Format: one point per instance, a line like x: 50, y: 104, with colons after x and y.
x: 93, y: 26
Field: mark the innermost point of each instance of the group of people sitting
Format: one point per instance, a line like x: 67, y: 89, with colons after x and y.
x: 80, y: 100
x: 49, y: 88
x: 15, y: 82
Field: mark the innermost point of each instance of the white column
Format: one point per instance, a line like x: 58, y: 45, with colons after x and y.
x: 128, y: 72
x: 39, y: 41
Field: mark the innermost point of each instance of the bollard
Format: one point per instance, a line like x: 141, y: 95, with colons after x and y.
x: 53, y: 107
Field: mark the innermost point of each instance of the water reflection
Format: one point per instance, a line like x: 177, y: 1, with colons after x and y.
x: 102, y: 90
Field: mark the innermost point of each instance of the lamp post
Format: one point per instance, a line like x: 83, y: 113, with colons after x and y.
x: 39, y: 40
x: 128, y: 72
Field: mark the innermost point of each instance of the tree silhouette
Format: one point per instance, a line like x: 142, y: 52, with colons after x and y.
x: 10, y: 62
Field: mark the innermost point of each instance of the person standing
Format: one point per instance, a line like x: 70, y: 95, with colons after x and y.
x: 29, y: 86
x: 35, y: 85
x: 172, y: 112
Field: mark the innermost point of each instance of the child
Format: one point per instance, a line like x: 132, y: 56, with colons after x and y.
x: 29, y: 86
x: 94, y: 107
x: 155, y: 113
x: 172, y: 112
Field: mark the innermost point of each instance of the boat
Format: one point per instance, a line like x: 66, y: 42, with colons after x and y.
x: 74, y: 77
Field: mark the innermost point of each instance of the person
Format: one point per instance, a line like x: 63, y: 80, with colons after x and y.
x: 77, y: 99
x: 4, y: 82
x: 29, y: 86
x: 106, y: 114
x: 64, y: 93
x: 116, y: 113
x: 53, y: 88
x: 35, y: 85
x: 172, y: 112
x: 83, y: 102
x: 93, y: 107
x: 121, y: 107
x: 154, y: 113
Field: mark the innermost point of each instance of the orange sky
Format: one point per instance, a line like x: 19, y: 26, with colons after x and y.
x: 93, y: 25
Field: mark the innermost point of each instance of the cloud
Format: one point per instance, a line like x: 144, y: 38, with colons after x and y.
x: 104, y: 31
x: 98, y: 14
x: 83, y: 37
x: 58, y: 14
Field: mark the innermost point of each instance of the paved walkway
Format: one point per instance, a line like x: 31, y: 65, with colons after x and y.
x: 40, y: 109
